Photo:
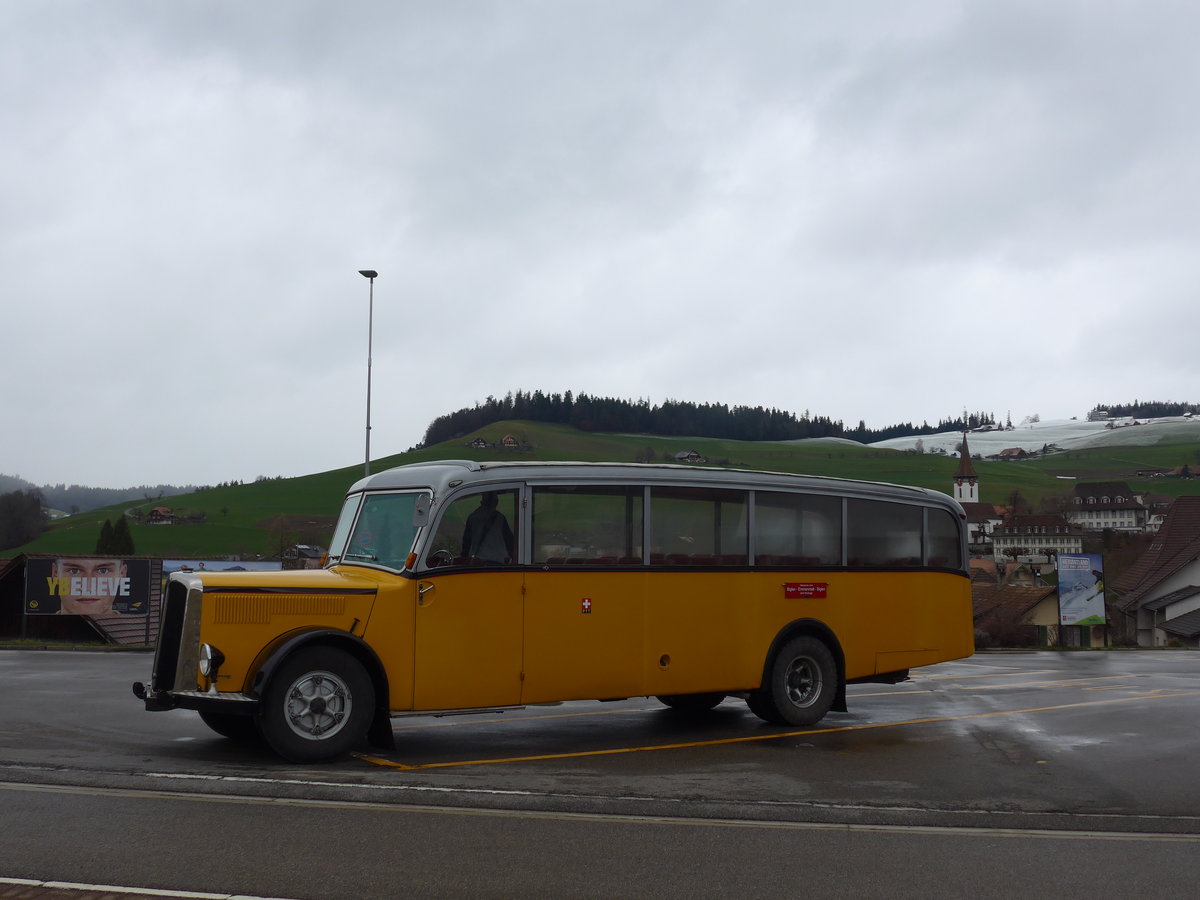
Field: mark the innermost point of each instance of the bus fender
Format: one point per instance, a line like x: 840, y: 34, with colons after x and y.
x: 380, y: 731
x: 822, y: 632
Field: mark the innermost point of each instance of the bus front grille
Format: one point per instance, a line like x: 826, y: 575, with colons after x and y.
x: 176, y: 657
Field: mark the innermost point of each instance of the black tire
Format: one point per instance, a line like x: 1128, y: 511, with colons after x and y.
x: 690, y: 703
x: 800, y: 686
x: 236, y: 728
x: 761, y: 707
x: 318, y: 705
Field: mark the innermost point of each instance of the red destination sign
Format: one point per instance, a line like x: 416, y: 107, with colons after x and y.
x: 805, y: 589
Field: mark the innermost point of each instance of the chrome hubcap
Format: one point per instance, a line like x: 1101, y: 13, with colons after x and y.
x: 318, y: 705
x: 802, y: 681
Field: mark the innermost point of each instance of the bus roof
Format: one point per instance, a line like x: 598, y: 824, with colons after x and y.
x: 445, y: 474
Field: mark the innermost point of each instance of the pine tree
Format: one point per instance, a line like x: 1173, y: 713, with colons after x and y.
x: 104, y: 544
x: 22, y: 518
x: 122, y: 538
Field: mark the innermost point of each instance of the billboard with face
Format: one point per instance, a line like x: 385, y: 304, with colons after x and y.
x: 87, y: 585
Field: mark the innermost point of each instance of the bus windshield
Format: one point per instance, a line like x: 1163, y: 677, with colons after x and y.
x: 383, y: 532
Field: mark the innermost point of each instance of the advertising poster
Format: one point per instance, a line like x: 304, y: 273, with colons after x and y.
x: 1081, y: 589
x: 87, y: 586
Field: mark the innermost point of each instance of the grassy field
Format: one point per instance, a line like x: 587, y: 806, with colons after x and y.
x: 261, y: 518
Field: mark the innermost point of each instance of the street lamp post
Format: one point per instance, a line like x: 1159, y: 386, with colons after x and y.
x: 371, y: 275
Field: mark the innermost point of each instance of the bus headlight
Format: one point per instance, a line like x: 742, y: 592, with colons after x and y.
x: 211, y: 660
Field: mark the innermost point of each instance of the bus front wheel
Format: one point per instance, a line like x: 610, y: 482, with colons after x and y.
x: 800, y: 686
x: 236, y: 728
x: 318, y: 705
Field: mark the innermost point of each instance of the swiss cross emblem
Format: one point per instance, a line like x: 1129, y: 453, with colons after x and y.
x: 585, y: 606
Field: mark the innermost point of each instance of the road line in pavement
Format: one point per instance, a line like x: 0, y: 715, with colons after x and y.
x: 119, y: 889
x: 604, y: 818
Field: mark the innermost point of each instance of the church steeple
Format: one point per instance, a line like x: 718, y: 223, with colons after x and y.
x: 966, y: 482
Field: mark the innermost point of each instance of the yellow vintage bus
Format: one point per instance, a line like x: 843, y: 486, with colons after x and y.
x: 463, y: 586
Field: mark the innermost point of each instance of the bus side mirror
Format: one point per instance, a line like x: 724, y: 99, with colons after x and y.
x: 421, y: 511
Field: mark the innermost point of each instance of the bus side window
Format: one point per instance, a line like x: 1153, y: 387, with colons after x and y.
x: 943, y: 547
x: 476, y: 529
x: 587, y: 525
x: 883, y: 535
x: 797, y: 529
x: 698, y: 527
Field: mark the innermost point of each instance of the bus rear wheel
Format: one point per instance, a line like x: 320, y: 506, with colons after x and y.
x: 690, y: 703
x: 800, y: 686
x: 318, y: 705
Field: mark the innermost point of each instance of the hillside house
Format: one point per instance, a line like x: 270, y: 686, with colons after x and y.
x: 1107, y: 505
x: 1016, y: 574
x: 1160, y: 593
x: 1010, y: 615
x: 982, y: 521
x: 302, y: 556
x: 1027, y: 536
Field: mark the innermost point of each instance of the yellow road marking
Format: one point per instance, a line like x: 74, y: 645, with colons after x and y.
x: 580, y: 754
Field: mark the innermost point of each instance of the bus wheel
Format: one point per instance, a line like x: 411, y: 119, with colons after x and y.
x: 318, y: 706
x: 761, y: 706
x: 236, y: 728
x: 801, y: 684
x: 690, y: 703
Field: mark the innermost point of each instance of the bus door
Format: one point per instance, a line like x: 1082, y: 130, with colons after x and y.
x: 585, y: 594
x: 469, y: 614
x: 698, y: 614
x: 584, y: 635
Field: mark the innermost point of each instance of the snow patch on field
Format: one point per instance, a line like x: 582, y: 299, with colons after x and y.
x: 1067, y: 434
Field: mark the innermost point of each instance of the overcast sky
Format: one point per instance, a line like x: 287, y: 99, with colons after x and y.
x: 873, y: 210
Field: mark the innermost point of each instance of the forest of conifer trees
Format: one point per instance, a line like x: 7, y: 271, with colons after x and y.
x: 673, y: 418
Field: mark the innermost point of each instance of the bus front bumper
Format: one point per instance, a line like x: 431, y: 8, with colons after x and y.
x: 236, y: 704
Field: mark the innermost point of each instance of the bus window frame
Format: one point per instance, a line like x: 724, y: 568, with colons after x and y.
x: 629, y: 489
x: 363, y: 499
x: 524, y: 525
x: 441, y: 506
x: 755, y: 554
x: 883, y: 565
x: 746, y: 494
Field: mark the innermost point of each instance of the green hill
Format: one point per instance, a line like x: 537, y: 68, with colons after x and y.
x: 260, y: 519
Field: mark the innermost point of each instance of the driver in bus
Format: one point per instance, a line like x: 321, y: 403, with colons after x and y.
x: 487, y: 537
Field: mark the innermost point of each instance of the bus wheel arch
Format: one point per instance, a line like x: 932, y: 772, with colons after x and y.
x: 803, y: 676
x: 330, y: 644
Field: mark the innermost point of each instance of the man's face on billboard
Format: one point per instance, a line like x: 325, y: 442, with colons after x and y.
x: 93, y: 585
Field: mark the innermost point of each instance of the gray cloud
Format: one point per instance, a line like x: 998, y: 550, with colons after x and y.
x: 873, y: 212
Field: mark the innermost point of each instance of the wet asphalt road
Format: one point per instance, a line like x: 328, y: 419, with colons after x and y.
x: 982, y: 762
